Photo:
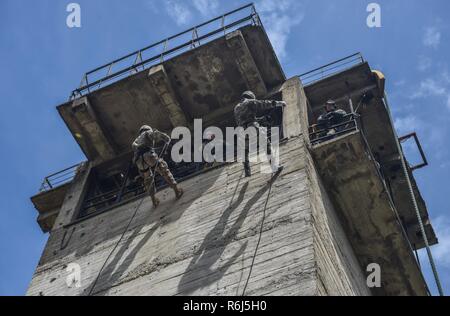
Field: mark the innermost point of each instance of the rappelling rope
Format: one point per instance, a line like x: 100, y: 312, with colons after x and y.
x: 115, y: 247
x: 128, y: 225
x: 259, y: 238
x: 416, y: 207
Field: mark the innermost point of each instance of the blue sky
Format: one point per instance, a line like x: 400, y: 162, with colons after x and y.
x: 44, y: 60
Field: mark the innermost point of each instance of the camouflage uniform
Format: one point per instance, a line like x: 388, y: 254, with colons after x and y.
x: 146, y: 158
x: 333, y: 116
x: 246, y: 114
x: 330, y: 119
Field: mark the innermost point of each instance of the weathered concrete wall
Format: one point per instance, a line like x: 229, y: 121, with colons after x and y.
x: 338, y: 269
x: 204, y: 244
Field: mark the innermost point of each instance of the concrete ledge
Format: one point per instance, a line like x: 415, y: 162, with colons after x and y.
x: 370, y: 221
x: 82, y: 110
x: 48, y: 205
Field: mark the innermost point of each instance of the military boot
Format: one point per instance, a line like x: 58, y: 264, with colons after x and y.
x: 155, y: 201
x: 280, y: 169
x: 178, y: 192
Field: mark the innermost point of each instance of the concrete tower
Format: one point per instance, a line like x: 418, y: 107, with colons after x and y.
x: 340, y: 204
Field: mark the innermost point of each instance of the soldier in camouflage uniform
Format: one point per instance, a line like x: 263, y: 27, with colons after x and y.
x: 246, y: 114
x: 145, y: 158
x: 332, y: 117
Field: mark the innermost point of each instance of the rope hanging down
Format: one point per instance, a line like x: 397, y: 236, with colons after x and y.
x: 115, y: 247
x: 260, y: 234
x: 127, y: 227
x: 416, y: 207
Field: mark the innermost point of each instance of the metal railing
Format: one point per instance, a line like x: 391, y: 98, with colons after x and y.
x: 319, y: 134
x: 132, y: 189
x: 328, y: 70
x: 58, y: 179
x: 156, y: 53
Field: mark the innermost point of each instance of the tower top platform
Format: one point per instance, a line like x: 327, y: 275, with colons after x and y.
x: 200, y: 78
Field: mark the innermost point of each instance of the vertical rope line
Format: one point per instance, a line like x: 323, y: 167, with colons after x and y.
x: 126, y: 229
x: 115, y: 247
x: 259, y: 239
x: 413, y: 199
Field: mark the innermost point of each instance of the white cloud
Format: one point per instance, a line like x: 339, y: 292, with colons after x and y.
x: 430, y: 87
x: 206, y: 7
x: 179, y: 12
x: 432, y: 135
x: 446, y: 76
x: 424, y: 63
x: 407, y: 124
x: 437, y: 87
x: 432, y: 37
x: 182, y: 12
x: 279, y: 18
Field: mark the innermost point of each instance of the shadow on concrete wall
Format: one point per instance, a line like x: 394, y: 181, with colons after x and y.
x: 112, y: 273
x: 200, y: 273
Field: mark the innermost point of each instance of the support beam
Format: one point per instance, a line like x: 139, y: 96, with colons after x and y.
x: 98, y: 139
x: 295, y: 119
x: 246, y: 63
x: 47, y: 220
x: 161, y: 83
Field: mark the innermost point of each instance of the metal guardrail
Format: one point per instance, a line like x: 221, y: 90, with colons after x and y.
x: 328, y: 70
x: 131, y: 189
x: 317, y: 134
x: 58, y: 179
x: 156, y: 53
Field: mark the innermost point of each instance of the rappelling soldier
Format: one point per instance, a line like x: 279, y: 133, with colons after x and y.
x: 146, y: 158
x: 330, y: 122
x: 246, y: 114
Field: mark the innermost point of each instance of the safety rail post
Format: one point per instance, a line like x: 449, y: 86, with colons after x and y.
x: 46, y: 183
x: 222, y: 25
